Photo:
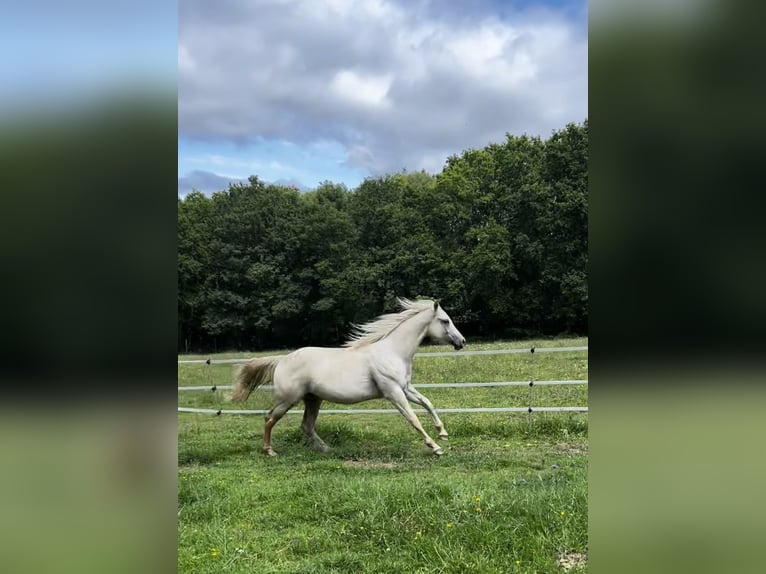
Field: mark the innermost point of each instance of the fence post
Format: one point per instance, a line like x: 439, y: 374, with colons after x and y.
x: 531, y: 390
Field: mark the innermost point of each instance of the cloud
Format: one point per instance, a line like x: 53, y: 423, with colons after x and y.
x: 396, y: 85
x: 290, y: 182
x: 208, y: 182
x: 366, y: 90
x: 204, y: 181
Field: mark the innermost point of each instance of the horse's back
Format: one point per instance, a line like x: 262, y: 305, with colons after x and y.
x: 326, y: 363
x: 316, y: 357
x: 336, y: 374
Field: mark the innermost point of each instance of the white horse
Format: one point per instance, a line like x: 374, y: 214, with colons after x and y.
x: 376, y: 362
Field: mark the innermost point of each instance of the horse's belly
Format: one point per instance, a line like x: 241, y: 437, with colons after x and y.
x: 346, y: 390
x: 336, y: 375
x: 353, y: 397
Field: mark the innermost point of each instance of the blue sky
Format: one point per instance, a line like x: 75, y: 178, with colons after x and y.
x: 303, y: 91
x: 272, y: 160
x: 54, y: 52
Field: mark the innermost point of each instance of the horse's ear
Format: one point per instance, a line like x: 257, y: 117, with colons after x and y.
x: 436, y: 305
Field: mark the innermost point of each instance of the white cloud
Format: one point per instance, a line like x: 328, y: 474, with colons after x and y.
x: 185, y: 62
x: 396, y: 85
x: 367, y: 90
x: 205, y: 181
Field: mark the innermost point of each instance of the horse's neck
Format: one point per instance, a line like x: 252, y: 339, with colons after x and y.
x: 406, y: 339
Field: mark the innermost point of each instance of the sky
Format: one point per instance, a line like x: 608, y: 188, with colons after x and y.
x: 55, y: 53
x: 304, y: 91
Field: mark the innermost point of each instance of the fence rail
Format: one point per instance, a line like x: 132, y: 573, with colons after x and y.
x: 389, y: 411
x: 421, y: 386
x: 528, y: 409
x: 435, y: 354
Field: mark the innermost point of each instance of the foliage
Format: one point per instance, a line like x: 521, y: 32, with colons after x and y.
x: 500, y: 237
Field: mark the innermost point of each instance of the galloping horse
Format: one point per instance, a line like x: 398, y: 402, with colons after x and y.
x: 376, y: 362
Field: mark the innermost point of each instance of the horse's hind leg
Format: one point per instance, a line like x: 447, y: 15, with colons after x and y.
x: 272, y: 418
x: 415, y: 397
x: 310, y: 414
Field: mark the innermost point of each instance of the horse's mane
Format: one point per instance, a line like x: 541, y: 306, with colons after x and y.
x: 380, y: 328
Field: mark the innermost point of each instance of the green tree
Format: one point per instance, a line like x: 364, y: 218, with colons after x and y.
x: 194, y: 235
x: 327, y: 239
x: 565, y: 170
x: 499, y: 236
x: 253, y: 294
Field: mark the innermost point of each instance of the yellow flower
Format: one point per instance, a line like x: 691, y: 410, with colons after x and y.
x: 450, y: 525
x: 418, y: 534
x: 563, y: 513
x: 214, y: 552
x: 478, y: 509
x: 476, y: 499
x: 518, y: 562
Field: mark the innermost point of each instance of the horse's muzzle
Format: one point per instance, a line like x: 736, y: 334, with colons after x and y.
x: 458, y: 346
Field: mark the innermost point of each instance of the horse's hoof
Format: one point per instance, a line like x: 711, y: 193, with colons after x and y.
x: 269, y: 452
x: 444, y: 436
x: 438, y: 452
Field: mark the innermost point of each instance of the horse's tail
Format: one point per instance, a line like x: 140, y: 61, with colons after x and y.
x: 252, y: 375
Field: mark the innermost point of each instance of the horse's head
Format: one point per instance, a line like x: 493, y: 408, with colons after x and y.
x: 443, y: 329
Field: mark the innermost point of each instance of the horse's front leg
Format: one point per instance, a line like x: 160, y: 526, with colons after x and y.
x: 415, y: 397
x: 394, y: 393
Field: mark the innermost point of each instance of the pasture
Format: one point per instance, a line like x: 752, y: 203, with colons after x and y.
x: 506, y: 496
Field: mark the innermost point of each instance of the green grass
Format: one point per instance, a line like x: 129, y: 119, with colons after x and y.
x: 506, y: 496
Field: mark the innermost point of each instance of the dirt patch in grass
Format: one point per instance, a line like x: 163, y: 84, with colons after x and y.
x: 356, y: 463
x: 574, y: 560
x: 572, y: 449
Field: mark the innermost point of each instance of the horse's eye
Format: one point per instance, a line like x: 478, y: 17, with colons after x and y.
x: 444, y: 321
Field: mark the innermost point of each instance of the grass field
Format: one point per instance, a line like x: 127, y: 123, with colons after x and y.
x: 507, y: 496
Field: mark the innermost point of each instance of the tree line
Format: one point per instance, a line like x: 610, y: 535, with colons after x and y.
x: 500, y: 237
